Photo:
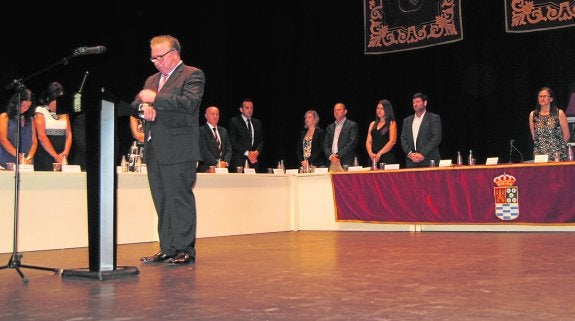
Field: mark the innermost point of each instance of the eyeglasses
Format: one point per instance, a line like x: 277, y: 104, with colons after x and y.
x: 543, y: 96
x: 160, y: 57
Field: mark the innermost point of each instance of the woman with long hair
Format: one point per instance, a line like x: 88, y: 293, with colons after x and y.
x: 19, y: 112
x: 549, y: 127
x: 382, y: 134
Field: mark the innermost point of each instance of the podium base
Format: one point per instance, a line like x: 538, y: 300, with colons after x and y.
x: 119, y: 272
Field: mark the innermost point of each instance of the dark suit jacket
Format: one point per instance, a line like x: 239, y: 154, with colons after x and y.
x: 316, y: 158
x: 428, y: 138
x: 175, y: 132
x: 241, y: 140
x: 346, y: 143
x: 210, y: 149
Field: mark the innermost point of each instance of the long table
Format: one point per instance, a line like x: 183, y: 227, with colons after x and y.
x: 540, y: 193
x: 53, y: 212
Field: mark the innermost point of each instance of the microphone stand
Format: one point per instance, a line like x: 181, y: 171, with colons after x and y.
x: 511, y: 148
x: 510, y: 151
x: 15, y: 261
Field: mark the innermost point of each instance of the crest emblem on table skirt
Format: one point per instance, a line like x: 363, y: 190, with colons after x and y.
x: 506, y: 195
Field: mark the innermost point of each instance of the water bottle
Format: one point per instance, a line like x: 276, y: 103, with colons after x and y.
x: 246, y: 164
x: 138, y: 168
x: 355, y: 161
x: 141, y: 153
x: 470, y: 158
x: 134, y: 149
x: 459, y: 158
x: 571, y: 153
x: 373, y: 164
x: 124, y: 164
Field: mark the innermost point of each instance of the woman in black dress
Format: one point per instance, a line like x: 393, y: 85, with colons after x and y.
x: 382, y: 134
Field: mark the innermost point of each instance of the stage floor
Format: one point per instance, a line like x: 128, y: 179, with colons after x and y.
x: 313, y: 275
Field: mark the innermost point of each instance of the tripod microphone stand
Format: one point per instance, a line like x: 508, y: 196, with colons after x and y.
x: 15, y: 261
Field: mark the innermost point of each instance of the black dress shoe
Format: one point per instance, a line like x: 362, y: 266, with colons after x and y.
x: 156, y: 258
x: 182, y: 258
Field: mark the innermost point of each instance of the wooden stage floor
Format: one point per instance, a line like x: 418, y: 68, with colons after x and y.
x: 313, y: 276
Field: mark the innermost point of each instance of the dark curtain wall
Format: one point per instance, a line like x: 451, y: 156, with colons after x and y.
x: 293, y: 56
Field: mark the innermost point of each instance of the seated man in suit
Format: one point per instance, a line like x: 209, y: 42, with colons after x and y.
x: 421, y: 134
x: 246, y: 135
x: 214, y: 141
x: 340, y: 138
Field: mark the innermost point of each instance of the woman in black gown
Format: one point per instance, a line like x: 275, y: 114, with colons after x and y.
x: 382, y: 134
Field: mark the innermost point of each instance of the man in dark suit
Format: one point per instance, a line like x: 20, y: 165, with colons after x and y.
x: 340, y: 138
x: 246, y: 135
x: 215, y: 142
x: 421, y: 134
x: 170, y: 103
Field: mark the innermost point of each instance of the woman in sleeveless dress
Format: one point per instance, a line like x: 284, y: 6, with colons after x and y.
x: 18, y: 111
x: 54, y: 130
x: 549, y: 127
x: 382, y: 134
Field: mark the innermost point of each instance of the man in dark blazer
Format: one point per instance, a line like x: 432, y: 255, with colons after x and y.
x: 215, y: 142
x: 421, y: 147
x: 170, y: 103
x: 340, y: 138
x: 247, y: 137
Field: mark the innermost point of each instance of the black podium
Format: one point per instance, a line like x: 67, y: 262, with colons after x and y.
x: 101, y: 179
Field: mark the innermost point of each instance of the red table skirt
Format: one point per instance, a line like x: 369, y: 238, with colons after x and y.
x: 546, y: 194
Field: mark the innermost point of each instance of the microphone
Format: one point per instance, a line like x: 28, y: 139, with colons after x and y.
x: 511, y: 148
x: 89, y: 51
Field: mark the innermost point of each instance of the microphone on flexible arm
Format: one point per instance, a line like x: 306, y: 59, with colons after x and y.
x: 511, y: 148
x: 89, y: 51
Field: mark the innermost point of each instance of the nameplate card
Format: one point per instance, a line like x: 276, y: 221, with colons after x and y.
x: 541, y: 159
x: 491, y: 160
x: 391, y: 166
x: 355, y: 169
x: 71, y: 169
x: 444, y: 162
x: 278, y: 171
x: 292, y: 171
x: 320, y: 170
x: 222, y: 170
x: 249, y: 170
x: 26, y: 167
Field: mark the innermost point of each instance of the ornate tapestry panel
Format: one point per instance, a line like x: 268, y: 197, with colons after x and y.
x: 535, y: 15
x: 392, y: 25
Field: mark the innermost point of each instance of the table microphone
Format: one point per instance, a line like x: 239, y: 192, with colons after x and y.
x: 511, y: 148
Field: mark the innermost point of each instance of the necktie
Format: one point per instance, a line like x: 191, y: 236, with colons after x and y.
x: 250, y: 131
x: 218, y: 140
x: 162, y: 81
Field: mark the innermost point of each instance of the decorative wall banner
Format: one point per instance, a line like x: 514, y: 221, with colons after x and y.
x: 535, y: 15
x: 392, y: 25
